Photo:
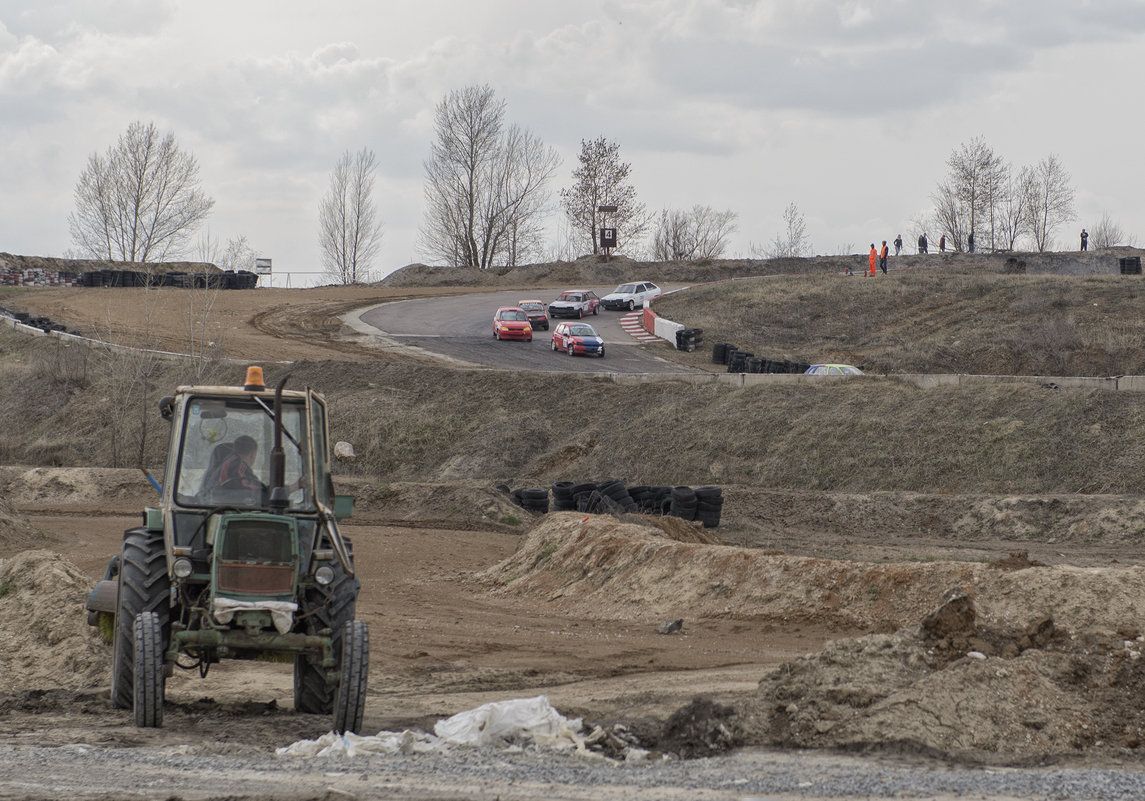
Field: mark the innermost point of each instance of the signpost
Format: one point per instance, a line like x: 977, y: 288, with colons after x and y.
x: 607, y: 234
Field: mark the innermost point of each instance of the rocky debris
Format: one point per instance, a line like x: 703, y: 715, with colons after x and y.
x: 1017, y: 560
x: 670, y: 626
x: 702, y: 728
x: 953, y: 687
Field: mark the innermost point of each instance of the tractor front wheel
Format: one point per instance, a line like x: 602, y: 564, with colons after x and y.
x: 350, y: 699
x: 143, y: 587
x: 150, y: 682
x: 329, y: 607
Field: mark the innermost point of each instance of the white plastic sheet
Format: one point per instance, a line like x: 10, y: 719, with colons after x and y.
x: 515, y: 723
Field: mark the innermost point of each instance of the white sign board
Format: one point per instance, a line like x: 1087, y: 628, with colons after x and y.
x: 262, y: 266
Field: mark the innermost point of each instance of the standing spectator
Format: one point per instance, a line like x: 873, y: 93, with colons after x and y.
x: 883, y: 258
x: 1084, y: 240
x: 970, y: 243
x: 942, y: 244
x: 922, y: 243
x: 872, y: 257
x: 898, y: 244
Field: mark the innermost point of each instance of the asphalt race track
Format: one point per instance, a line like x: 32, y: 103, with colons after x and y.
x: 461, y: 328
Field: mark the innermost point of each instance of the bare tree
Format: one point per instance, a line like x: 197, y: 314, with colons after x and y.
x: 1049, y: 202
x: 141, y: 201
x: 1108, y: 233
x: 965, y: 201
x: 602, y: 180
x: 701, y: 233
x: 486, y: 185
x: 1012, y: 212
x: 792, y: 242
x: 349, y: 231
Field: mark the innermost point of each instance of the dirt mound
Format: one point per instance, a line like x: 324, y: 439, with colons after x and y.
x: 47, y: 642
x: 15, y: 530
x: 984, y: 694
x: 603, y: 567
x: 72, y: 486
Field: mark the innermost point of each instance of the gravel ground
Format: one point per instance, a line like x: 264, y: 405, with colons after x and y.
x: 85, y: 772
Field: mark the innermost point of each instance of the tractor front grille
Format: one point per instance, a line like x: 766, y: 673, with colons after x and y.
x: 256, y: 579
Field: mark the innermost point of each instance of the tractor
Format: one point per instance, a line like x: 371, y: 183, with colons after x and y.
x: 230, y: 567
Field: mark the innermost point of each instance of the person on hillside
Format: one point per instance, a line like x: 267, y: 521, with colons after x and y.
x: 1084, y: 240
x: 883, y: 257
x: 942, y: 244
x: 970, y: 243
x: 922, y: 243
x: 898, y: 244
x: 872, y: 258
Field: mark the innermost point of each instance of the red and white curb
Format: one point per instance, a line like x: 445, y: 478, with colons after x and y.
x: 633, y: 325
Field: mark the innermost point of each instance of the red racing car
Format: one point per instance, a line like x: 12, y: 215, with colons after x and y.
x: 511, y: 322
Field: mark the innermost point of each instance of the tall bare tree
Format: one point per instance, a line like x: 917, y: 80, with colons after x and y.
x: 486, y: 184
x: 349, y: 231
x: 1011, y: 212
x: 701, y: 233
x: 965, y: 200
x: 791, y: 242
x: 602, y: 180
x: 1050, y: 201
x: 140, y: 201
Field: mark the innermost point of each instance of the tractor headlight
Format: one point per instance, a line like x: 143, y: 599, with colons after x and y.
x: 182, y: 567
x: 324, y: 575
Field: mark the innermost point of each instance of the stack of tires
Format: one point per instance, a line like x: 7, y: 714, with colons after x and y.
x: 737, y: 361
x: 709, y: 505
x: 533, y: 499
x: 683, y: 503
x: 563, y: 500
x: 688, y: 338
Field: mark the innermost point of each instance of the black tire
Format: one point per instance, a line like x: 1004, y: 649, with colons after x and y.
x: 553, y: 343
x: 601, y: 351
x: 570, y: 349
x: 595, y: 309
x: 580, y: 313
x: 631, y: 306
x: 332, y: 607
x: 350, y: 697
x: 683, y: 503
x: 150, y: 683
x: 143, y: 587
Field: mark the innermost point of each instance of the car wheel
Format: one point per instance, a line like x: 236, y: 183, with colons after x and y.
x: 595, y: 309
x: 602, y: 351
x: 570, y: 349
x: 553, y: 344
x: 580, y: 313
x: 631, y: 305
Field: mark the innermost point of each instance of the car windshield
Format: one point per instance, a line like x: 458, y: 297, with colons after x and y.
x: 531, y: 306
x: 513, y: 315
x: 624, y: 289
x: 571, y: 298
x: 582, y: 331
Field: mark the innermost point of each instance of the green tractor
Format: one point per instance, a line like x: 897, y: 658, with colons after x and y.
x: 230, y: 567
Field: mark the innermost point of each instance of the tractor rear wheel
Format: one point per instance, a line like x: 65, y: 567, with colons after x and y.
x: 350, y: 699
x: 143, y: 587
x: 150, y: 682
x: 332, y: 607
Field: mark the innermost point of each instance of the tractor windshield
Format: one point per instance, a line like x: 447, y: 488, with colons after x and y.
x: 225, y: 453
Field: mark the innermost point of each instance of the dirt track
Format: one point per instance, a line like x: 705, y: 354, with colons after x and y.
x: 461, y: 615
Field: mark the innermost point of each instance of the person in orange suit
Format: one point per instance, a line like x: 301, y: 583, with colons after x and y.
x: 872, y: 258
x: 883, y: 258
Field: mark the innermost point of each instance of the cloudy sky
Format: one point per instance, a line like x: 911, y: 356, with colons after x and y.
x: 849, y: 109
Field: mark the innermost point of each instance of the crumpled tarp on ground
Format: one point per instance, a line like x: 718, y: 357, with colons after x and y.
x: 519, y: 722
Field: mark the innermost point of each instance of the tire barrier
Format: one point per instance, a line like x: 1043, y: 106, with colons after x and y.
x: 612, y: 496
x: 45, y: 324
x: 741, y: 361
x: 242, y: 279
x: 688, y: 338
x: 534, y: 499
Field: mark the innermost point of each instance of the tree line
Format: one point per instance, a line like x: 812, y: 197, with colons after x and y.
x: 488, y: 187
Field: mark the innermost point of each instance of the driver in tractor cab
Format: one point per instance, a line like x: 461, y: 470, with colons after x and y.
x: 235, y: 472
